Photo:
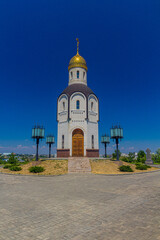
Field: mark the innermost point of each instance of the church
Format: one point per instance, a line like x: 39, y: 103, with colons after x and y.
x: 77, y: 114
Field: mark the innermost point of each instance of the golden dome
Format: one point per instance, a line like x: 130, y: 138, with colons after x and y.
x: 77, y: 60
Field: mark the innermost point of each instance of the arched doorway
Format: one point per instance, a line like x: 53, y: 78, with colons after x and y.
x: 77, y: 143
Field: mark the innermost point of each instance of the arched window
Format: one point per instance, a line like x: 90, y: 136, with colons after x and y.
x: 63, y: 105
x: 77, y: 74
x: 92, y: 141
x: 71, y: 74
x: 91, y: 106
x: 77, y: 104
x: 62, y: 141
x: 83, y: 75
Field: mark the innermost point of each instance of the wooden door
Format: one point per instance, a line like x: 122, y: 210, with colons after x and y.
x: 77, y: 143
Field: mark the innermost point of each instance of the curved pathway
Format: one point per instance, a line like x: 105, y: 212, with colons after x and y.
x: 80, y: 206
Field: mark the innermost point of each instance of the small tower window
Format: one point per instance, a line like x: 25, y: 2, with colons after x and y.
x: 63, y: 105
x: 83, y: 75
x: 71, y: 75
x: 92, y: 141
x: 78, y: 104
x: 91, y: 106
x: 77, y: 74
x: 62, y: 141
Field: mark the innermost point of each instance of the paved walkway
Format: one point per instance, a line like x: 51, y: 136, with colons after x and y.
x: 79, y: 165
x: 80, y: 207
x: 155, y: 165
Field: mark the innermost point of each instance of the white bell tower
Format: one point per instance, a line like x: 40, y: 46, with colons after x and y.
x: 78, y: 114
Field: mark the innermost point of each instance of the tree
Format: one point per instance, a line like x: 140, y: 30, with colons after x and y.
x: 158, y: 152
x: 141, y: 156
x: 131, y: 156
x: 114, y: 155
x: 156, y: 157
x: 1, y: 159
x: 13, y: 159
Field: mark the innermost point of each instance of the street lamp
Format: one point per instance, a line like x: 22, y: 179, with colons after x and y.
x: 117, y: 133
x: 50, y: 141
x: 105, y: 140
x: 37, y: 133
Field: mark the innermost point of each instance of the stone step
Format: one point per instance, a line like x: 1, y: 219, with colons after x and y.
x: 76, y: 165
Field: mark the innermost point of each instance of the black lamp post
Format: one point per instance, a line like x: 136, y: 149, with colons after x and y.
x: 117, y: 133
x: 37, y: 133
x: 105, y: 140
x: 50, y: 141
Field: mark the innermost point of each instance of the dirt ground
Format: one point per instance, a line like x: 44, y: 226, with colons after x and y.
x: 58, y: 167
x: 105, y: 166
x: 52, y: 167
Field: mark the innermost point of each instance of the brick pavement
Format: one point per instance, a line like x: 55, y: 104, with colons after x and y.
x: 80, y: 206
x: 79, y: 165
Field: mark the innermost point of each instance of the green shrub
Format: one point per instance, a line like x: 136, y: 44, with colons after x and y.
x: 124, y: 159
x: 2, y: 161
x: 141, y: 156
x: 125, y: 168
x: 13, y: 159
x: 114, y: 155
x: 141, y: 166
x: 7, y: 166
x: 15, y: 168
x: 36, y: 169
x: 148, y: 166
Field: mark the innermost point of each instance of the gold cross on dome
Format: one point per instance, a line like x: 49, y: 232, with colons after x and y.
x: 77, y: 45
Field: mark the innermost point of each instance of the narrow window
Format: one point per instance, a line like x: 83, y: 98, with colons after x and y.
x: 92, y: 141
x: 78, y: 104
x: 77, y: 74
x: 83, y: 75
x: 62, y: 141
x: 63, y: 105
x: 91, y: 106
x: 71, y: 74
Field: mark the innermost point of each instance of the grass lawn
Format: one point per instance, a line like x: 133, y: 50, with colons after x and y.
x: 52, y: 167
x: 58, y: 167
x: 110, y: 167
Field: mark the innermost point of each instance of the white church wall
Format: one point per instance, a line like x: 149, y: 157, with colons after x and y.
x: 78, y: 114
x: 92, y: 129
x: 73, y: 76
x: 77, y: 118
x: 62, y: 130
x: 62, y: 108
x: 93, y: 108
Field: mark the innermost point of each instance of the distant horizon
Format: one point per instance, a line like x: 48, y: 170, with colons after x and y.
x: 120, y: 43
x: 43, y: 148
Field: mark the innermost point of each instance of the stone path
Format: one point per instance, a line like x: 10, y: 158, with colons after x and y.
x: 79, y: 165
x: 155, y: 165
x: 80, y: 207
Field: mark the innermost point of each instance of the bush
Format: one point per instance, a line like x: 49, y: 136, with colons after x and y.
x: 36, y: 169
x: 141, y: 156
x: 148, y: 166
x: 15, y: 168
x: 7, y: 166
x: 2, y: 161
x: 114, y: 155
x: 13, y: 159
x: 124, y: 159
x: 141, y: 166
x: 125, y: 168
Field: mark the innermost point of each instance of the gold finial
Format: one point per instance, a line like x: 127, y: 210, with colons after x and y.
x: 77, y: 45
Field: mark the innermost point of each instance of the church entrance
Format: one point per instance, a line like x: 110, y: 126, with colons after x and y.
x: 77, y: 143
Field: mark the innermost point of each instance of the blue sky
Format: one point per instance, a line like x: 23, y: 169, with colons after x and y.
x: 120, y: 41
